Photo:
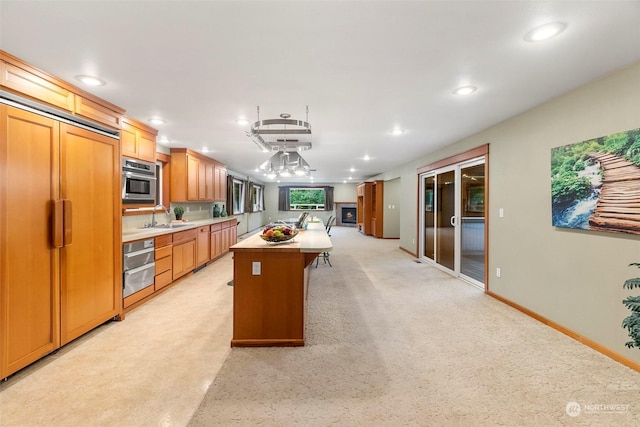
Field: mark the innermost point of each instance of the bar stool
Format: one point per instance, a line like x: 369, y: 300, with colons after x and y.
x: 325, y: 255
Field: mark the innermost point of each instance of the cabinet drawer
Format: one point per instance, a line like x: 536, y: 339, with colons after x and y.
x: 163, y: 264
x: 184, y: 236
x: 97, y: 112
x: 215, y: 227
x: 163, y: 279
x: 36, y: 87
x: 164, y: 240
x: 164, y: 251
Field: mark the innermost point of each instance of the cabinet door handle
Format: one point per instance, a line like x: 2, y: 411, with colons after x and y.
x: 68, y: 237
x: 58, y: 213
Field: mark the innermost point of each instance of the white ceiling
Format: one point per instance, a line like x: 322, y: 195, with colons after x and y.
x: 362, y: 67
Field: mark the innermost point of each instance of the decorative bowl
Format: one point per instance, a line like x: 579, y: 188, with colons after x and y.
x: 278, y: 233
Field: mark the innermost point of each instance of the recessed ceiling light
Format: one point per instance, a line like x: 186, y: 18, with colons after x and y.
x: 156, y: 120
x: 242, y: 122
x: 163, y: 140
x: 91, y: 80
x: 397, y: 131
x: 545, y: 31
x: 465, y: 90
x: 350, y: 177
x: 352, y: 170
x: 366, y: 157
x: 344, y: 181
x: 205, y: 150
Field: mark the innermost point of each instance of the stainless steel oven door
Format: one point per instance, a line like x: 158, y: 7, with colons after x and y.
x: 136, y: 259
x: 138, y: 188
x: 138, y: 278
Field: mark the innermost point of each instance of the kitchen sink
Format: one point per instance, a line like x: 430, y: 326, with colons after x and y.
x: 178, y: 225
x: 171, y: 225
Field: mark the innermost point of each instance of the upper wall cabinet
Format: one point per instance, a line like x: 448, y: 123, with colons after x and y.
x: 21, y: 78
x: 138, y: 140
x: 196, y: 178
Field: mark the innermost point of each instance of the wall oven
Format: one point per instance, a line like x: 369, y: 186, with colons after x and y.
x: 138, y: 263
x: 138, y: 182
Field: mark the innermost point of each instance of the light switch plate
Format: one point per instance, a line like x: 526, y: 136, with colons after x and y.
x: 255, y: 268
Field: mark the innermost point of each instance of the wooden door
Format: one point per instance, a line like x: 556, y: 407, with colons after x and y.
x: 29, y: 264
x: 203, y: 245
x: 216, y: 243
x: 210, y: 181
x: 221, y: 184
x: 91, y: 266
x: 184, y: 258
x: 202, y: 180
x: 146, y: 146
x: 128, y: 141
x: 192, y: 177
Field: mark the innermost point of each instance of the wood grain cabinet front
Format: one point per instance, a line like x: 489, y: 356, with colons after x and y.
x: 164, y: 261
x: 138, y: 140
x: 184, y: 252
x: 64, y: 220
x: 203, y: 249
x: 36, y: 86
x: 195, y: 177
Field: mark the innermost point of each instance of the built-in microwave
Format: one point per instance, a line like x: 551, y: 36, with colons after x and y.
x: 138, y: 182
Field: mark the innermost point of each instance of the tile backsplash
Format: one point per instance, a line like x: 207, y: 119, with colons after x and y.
x: 193, y: 211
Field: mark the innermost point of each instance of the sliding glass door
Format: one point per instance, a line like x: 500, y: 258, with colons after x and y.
x: 452, y: 219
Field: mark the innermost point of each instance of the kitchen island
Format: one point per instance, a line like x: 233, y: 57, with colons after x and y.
x: 270, y: 287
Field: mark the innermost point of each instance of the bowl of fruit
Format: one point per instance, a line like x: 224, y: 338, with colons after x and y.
x: 274, y: 233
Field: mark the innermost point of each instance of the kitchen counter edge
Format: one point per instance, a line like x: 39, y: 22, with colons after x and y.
x: 131, y: 235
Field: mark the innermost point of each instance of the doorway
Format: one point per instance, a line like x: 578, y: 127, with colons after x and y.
x: 452, y: 219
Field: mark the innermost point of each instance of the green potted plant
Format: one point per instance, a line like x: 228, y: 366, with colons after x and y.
x: 632, y: 323
x: 178, y: 210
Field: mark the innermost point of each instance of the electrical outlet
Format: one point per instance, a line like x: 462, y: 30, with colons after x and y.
x: 255, y: 268
x: 501, y: 213
x: 498, y: 272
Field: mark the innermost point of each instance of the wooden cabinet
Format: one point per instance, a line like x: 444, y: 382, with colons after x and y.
x: 202, y: 246
x: 164, y: 261
x: 35, y: 86
x: 363, y: 212
x: 370, y: 208
x: 60, y: 252
x: 138, y: 140
x: 99, y: 113
x: 196, y: 178
x: 210, y: 181
x: 19, y: 77
x: 220, y: 185
x: 184, y: 252
x: 377, y: 208
x: 215, y: 240
x: 193, y: 178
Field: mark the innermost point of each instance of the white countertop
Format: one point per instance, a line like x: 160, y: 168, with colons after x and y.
x: 312, y: 240
x: 145, y: 233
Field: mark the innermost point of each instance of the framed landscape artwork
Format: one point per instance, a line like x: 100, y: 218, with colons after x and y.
x: 595, y: 184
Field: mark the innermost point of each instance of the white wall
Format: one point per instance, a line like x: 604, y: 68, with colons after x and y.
x: 391, y: 217
x: 571, y: 277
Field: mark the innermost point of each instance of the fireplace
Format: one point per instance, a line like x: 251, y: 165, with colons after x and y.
x: 346, y: 214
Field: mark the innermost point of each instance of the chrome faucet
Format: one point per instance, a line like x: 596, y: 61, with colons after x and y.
x: 153, y: 215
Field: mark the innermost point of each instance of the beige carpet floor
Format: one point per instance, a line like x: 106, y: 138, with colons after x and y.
x: 393, y: 342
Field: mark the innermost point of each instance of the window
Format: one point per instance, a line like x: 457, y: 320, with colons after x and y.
x: 238, y: 196
x: 306, y: 199
x: 257, y: 201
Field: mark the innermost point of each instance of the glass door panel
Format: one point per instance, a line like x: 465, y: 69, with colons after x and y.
x: 445, y: 219
x: 472, y: 225
x: 428, y: 213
